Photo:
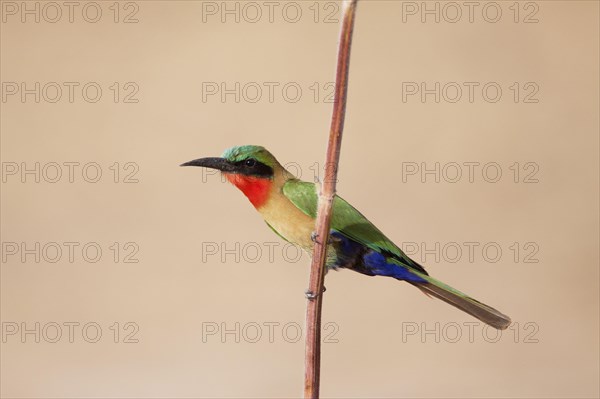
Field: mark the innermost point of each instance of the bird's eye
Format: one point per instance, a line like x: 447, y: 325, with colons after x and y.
x: 250, y: 162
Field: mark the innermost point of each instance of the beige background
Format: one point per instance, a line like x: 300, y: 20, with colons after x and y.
x: 173, y: 213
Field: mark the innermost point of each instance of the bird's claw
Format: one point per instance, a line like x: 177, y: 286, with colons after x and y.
x: 311, y: 296
x: 314, y: 237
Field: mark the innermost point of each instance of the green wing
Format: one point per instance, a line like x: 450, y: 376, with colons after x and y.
x: 347, y: 220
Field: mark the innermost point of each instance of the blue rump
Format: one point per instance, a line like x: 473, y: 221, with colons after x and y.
x: 367, y: 261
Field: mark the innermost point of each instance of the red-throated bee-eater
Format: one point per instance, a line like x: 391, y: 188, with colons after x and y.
x: 289, y: 207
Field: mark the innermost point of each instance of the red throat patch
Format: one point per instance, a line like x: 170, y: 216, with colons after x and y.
x: 255, y: 188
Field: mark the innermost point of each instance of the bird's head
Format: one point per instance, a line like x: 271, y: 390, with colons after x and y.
x: 250, y: 168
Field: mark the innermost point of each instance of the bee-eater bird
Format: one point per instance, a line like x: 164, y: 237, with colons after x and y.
x: 289, y: 207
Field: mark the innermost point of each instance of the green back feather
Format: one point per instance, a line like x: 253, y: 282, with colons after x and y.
x: 347, y: 220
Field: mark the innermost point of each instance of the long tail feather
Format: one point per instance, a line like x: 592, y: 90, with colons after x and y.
x: 479, y: 310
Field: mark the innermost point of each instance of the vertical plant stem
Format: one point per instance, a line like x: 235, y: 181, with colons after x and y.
x: 326, y: 196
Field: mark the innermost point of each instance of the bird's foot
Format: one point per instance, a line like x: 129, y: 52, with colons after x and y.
x: 311, y: 296
x: 314, y: 237
x: 332, y: 239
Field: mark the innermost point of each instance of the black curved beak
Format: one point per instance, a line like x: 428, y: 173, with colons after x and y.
x: 213, y: 163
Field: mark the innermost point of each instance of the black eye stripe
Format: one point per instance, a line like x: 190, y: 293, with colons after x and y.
x: 258, y: 169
